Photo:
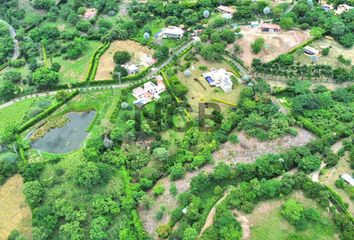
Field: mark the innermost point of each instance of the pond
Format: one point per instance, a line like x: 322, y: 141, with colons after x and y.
x: 67, y: 138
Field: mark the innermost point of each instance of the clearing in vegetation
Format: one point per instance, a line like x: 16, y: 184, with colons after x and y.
x: 73, y: 71
x: 329, y: 177
x: 331, y: 59
x: 266, y: 222
x: 275, y: 43
x: 15, y: 213
x: 141, y: 55
x: 250, y: 148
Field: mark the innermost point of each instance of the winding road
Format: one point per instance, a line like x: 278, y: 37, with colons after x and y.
x: 88, y: 88
x: 16, y: 53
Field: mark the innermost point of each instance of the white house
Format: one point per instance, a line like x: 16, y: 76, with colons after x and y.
x: 349, y: 179
x: 219, y: 78
x: 149, y: 92
x: 132, y: 68
x: 171, y: 32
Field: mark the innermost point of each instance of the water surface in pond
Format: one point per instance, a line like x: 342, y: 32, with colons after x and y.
x: 67, y: 138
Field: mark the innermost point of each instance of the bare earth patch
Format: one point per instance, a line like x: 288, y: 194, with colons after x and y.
x: 15, y: 213
x: 250, y: 148
x: 167, y: 200
x: 141, y: 55
x: 275, y: 43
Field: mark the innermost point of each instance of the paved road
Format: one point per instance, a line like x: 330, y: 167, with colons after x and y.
x: 50, y: 93
x: 16, y: 53
x: 169, y: 60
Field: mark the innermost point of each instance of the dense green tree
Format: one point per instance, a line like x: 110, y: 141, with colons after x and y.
x: 121, y: 57
x: 43, y: 78
x: 34, y: 193
x: 87, y: 174
x: 309, y: 164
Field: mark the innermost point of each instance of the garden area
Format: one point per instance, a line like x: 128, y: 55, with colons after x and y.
x: 199, y: 90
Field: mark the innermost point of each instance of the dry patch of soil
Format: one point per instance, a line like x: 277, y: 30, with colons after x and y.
x: 141, y: 55
x: 166, y: 200
x: 250, y: 148
x: 15, y: 213
x: 275, y: 43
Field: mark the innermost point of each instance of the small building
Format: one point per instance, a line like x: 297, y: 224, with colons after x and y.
x: 349, y: 179
x: 132, y: 69
x: 269, y: 27
x: 90, y: 13
x: 343, y: 8
x: 226, y: 10
x: 219, y: 78
x: 326, y: 7
x: 171, y: 32
x: 255, y: 24
x: 311, y: 51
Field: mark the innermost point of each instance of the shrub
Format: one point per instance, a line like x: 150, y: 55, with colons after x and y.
x: 258, y: 45
x: 325, y: 51
x: 309, y: 164
x: 233, y: 138
x: 164, y: 231
x: 177, y: 172
x: 158, y: 190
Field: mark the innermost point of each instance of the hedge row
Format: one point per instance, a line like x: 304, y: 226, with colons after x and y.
x: 46, y: 113
x: 237, y: 60
x: 94, y: 62
x: 4, y: 66
x: 309, y: 125
x: 235, y: 70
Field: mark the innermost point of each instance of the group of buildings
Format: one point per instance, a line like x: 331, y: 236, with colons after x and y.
x: 340, y: 9
x: 149, y: 92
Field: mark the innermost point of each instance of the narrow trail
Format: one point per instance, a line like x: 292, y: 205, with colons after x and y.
x: 210, y: 219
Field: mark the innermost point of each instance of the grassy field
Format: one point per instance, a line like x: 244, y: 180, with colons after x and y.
x: 200, y: 91
x: 15, y: 213
x: 75, y: 70
x: 335, y: 51
x: 267, y: 223
x: 21, y: 111
x: 329, y: 177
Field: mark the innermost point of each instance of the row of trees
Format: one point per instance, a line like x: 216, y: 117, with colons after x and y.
x: 6, y: 43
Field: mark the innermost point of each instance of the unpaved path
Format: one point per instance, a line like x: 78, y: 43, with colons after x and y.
x: 210, y: 219
x: 14, y: 211
x: 250, y: 148
x: 245, y: 224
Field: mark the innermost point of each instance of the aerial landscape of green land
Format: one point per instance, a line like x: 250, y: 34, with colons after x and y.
x: 176, y: 119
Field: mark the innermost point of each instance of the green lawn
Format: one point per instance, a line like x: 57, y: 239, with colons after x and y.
x: 75, y: 70
x: 17, y: 113
x: 268, y: 224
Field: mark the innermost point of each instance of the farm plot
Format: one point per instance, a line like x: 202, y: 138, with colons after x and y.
x: 15, y: 213
x: 275, y: 43
x: 141, y: 56
x: 200, y: 91
x: 73, y: 71
x: 332, y: 58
